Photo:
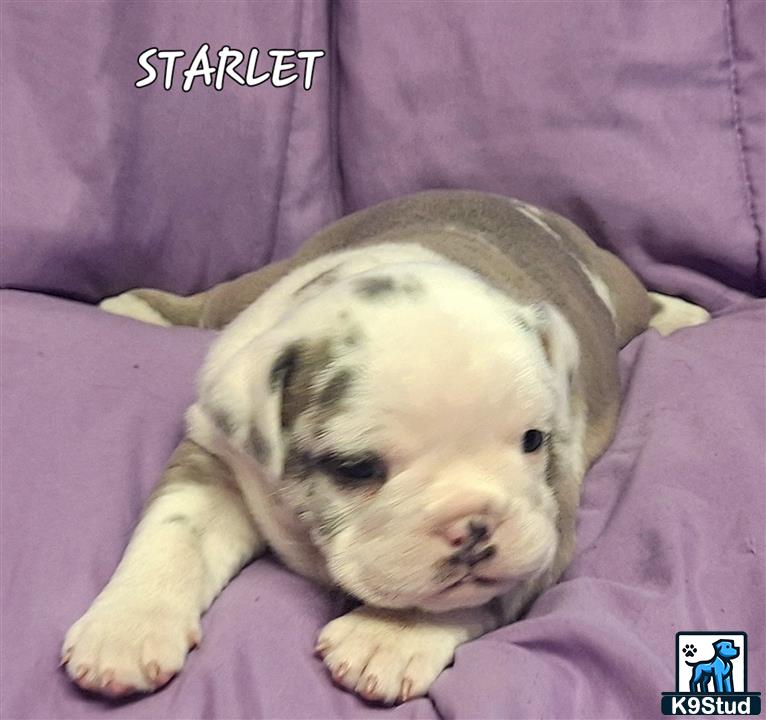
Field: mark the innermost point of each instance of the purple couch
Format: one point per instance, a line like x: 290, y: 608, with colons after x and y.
x: 643, y: 122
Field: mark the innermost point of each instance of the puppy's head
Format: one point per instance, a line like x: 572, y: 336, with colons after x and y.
x: 408, y: 417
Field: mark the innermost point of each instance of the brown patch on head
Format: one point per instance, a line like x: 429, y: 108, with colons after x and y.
x: 372, y: 288
x: 379, y: 286
x: 323, y: 280
x: 310, y: 361
x: 331, y: 395
x: 299, y: 371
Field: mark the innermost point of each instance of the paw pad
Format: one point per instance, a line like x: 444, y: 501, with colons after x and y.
x: 689, y: 650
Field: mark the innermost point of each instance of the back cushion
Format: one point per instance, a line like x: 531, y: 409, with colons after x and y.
x: 106, y: 186
x: 642, y: 122
x: 639, y: 121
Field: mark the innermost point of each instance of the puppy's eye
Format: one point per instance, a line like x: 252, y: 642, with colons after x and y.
x: 354, y: 469
x: 532, y: 441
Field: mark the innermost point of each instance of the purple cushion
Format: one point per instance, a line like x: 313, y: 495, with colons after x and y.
x: 670, y: 533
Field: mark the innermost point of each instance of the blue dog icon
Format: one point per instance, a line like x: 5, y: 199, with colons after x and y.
x: 718, y: 669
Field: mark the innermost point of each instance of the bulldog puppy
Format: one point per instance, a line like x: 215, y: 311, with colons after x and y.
x: 404, y: 410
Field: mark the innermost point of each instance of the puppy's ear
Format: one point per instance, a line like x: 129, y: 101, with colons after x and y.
x: 560, y: 344
x: 245, y: 398
x: 559, y: 341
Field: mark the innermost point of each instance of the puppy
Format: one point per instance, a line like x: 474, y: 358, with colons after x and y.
x: 404, y: 410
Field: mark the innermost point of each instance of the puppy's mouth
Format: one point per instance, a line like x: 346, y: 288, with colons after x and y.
x: 471, y: 580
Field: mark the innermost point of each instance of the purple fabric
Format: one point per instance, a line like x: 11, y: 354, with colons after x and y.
x: 644, y: 122
x: 623, y: 116
x: 746, y: 36
x: 106, y: 186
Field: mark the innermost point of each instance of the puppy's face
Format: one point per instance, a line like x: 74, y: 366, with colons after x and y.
x: 412, y: 426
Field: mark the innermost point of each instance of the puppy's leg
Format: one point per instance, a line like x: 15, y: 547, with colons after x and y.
x: 391, y: 656
x: 194, y: 535
x: 214, y: 308
x: 670, y: 313
x: 156, y: 307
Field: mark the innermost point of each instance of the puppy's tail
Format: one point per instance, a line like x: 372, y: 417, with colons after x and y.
x: 670, y: 313
x: 155, y: 307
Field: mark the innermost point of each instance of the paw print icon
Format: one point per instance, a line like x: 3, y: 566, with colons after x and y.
x: 689, y: 650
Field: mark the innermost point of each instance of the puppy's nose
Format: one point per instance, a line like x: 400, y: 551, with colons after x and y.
x: 467, y: 531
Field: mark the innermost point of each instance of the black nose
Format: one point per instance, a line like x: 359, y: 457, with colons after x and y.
x: 468, y: 554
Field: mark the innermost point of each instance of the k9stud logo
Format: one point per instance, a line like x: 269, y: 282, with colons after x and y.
x: 711, y: 676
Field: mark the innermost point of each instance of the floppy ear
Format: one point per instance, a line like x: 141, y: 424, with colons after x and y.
x: 243, y: 398
x: 559, y: 341
x: 561, y: 347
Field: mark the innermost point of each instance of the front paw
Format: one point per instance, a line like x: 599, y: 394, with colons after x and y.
x: 124, y: 645
x: 386, y: 656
